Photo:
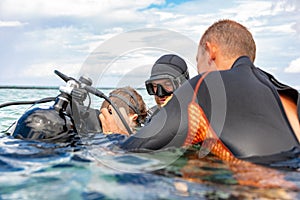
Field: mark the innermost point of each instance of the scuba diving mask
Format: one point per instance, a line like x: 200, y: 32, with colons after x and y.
x: 163, y: 85
x: 167, y: 74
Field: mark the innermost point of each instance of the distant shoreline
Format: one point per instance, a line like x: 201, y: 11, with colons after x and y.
x: 29, y: 87
x: 49, y: 87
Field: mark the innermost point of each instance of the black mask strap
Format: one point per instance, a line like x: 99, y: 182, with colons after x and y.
x: 126, y: 101
x: 135, y: 107
x: 134, y: 97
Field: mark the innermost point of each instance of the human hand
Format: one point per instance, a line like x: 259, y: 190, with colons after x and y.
x: 111, y: 122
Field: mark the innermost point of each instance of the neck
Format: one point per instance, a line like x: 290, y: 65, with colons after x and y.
x: 224, y: 63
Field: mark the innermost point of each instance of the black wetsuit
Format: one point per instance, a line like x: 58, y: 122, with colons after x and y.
x: 243, y: 107
x: 150, y: 113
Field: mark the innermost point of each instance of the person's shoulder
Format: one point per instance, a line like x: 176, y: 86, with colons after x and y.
x: 194, y: 79
x: 272, y: 79
x: 279, y: 86
x: 152, y: 110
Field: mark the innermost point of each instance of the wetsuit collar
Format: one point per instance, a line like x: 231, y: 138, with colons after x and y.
x: 241, y: 61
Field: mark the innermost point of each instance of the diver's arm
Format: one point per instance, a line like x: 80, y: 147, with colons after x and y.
x: 159, y: 132
x: 167, y: 128
x: 291, y: 111
x: 155, y: 135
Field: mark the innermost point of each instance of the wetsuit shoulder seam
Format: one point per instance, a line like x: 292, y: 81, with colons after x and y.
x: 276, y: 96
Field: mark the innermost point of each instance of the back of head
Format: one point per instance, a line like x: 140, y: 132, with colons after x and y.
x: 130, y: 99
x: 233, y: 39
x: 170, y: 65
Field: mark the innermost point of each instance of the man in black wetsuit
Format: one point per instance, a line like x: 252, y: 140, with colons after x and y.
x: 168, y: 73
x: 255, y: 116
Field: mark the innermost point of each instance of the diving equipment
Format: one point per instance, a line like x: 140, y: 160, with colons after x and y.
x: 65, y: 120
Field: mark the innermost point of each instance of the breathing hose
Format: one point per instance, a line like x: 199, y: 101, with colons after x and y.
x: 102, y: 95
x: 44, y: 100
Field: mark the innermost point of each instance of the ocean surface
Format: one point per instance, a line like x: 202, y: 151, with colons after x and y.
x: 95, y: 169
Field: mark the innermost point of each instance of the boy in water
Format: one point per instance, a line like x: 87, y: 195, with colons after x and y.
x: 130, y: 104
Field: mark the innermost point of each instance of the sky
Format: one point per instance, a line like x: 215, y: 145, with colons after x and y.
x: 127, y: 36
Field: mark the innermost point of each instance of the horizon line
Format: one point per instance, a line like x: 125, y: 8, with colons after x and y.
x: 49, y: 87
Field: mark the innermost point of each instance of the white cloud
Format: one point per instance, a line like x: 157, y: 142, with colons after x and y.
x: 287, y: 28
x: 285, y: 6
x: 78, y: 8
x: 133, y: 68
x: 42, y: 70
x: 294, y: 67
x: 68, y: 30
x: 63, y: 40
x: 297, y: 87
x: 245, y: 9
x: 11, y: 23
x: 166, y: 15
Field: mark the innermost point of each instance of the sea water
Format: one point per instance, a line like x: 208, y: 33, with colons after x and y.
x: 95, y: 169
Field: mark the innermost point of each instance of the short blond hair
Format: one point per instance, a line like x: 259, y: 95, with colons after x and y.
x: 233, y: 39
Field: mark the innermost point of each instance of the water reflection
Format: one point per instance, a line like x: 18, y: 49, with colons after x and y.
x: 242, y: 180
x: 31, y: 169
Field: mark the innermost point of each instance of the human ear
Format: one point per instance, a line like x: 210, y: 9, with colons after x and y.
x: 133, y: 117
x: 211, y: 49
